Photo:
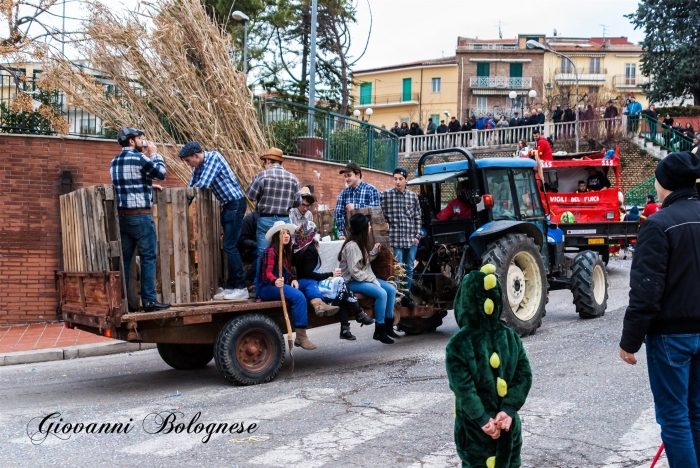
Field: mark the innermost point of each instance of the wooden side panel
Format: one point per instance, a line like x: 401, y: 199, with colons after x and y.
x: 181, y: 246
x: 164, y: 243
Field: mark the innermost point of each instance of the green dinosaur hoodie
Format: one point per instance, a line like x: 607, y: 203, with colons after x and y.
x: 488, y: 371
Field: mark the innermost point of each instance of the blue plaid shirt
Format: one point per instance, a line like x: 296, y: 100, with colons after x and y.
x: 132, y: 174
x: 362, y: 196
x: 216, y: 174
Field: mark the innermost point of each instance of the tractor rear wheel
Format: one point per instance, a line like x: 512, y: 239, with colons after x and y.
x: 520, y: 269
x: 589, y: 285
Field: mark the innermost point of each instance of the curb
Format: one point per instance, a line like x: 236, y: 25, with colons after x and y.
x: 71, y: 352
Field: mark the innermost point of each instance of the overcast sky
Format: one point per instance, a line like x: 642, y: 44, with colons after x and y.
x: 410, y: 30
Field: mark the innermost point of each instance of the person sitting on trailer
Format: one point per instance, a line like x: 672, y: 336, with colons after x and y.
x: 459, y: 207
x: 132, y: 172
x: 582, y: 187
x: 596, y: 179
x: 271, y: 280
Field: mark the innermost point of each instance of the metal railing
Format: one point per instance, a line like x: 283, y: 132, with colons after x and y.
x: 395, y: 98
x: 581, y: 71
x: 508, y: 136
x: 621, y: 81
x: 472, y: 46
x: 500, y: 81
x: 299, y: 130
x: 637, y: 196
x: 659, y: 133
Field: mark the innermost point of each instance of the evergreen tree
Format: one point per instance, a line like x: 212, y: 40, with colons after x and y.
x: 672, y: 46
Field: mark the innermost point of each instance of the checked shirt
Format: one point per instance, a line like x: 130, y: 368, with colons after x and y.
x: 363, y: 195
x: 215, y: 173
x: 402, y: 212
x: 132, y: 174
x: 275, y: 190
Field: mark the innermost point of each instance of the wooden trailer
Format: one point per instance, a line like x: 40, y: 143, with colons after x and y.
x: 243, y: 337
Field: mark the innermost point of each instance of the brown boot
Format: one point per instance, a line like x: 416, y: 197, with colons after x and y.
x: 322, y: 309
x: 303, y: 340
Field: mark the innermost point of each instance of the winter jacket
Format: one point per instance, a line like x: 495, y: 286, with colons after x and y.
x: 502, y: 123
x: 633, y: 215
x: 481, y: 123
x: 664, y: 293
x: 557, y: 116
x: 610, y: 112
x: 442, y: 128
x: 540, y: 119
x: 454, y: 126
x: 634, y: 108
x: 466, y: 127
x: 544, y: 149
x: 431, y: 128
x: 305, y: 263
x: 351, y: 264
x: 569, y: 116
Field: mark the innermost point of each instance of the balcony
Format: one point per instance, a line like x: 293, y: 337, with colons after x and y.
x: 586, y: 76
x: 498, y: 85
x: 495, y: 46
x: 629, y: 83
x: 390, y: 100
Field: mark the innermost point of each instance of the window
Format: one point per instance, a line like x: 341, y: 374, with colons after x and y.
x: 566, y: 66
x: 404, y: 120
x: 483, y: 69
x: 365, y: 93
x: 527, y: 194
x: 630, y: 73
x: 437, y: 85
x: 499, y: 188
x: 481, y: 105
x: 436, y: 119
x: 406, y: 90
x: 593, y: 89
x: 594, y: 65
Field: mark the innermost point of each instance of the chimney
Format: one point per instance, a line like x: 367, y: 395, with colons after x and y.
x: 607, y: 44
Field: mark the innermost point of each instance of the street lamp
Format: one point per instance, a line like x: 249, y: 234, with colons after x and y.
x: 532, y: 94
x: 531, y: 44
x: 242, y: 17
x: 368, y: 112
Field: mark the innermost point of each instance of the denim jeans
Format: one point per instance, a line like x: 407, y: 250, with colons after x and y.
x: 231, y: 220
x: 384, y: 297
x: 264, y: 225
x: 309, y: 288
x: 407, y: 256
x: 140, y: 231
x: 674, y: 376
x: 270, y: 292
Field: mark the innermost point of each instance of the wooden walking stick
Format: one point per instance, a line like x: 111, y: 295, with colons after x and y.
x: 284, y: 304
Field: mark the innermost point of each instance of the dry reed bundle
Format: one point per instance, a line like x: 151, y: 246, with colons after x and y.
x: 174, y: 76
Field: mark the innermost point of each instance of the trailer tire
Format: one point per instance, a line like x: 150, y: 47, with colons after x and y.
x: 520, y: 268
x: 249, y: 350
x: 421, y: 325
x: 589, y: 285
x: 186, y: 356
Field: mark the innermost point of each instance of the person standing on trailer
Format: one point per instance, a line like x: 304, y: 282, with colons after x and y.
x: 132, y: 172
x: 357, y: 194
x: 402, y: 211
x: 210, y: 170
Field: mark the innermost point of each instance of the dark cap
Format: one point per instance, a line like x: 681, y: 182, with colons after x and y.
x: 516, y: 113
x: 189, y: 149
x: 358, y: 222
x: 125, y: 133
x: 402, y: 171
x: 351, y: 167
x: 678, y: 170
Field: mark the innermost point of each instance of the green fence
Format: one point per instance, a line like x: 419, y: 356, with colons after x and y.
x: 637, y: 196
x: 663, y: 135
x: 299, y: 130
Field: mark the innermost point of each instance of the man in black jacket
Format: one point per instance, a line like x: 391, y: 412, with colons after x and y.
x: 569, y: 118
x: 557, y: 116
x: 664, y: 307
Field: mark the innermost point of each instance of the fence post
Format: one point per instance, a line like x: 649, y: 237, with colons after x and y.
x: 475, y: 138
x: 370, y: 147
x: 547, y: 129
x: 327, y: 151
x: 407, y: 142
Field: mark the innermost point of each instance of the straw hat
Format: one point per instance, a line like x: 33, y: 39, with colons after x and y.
x: 274, y: 154
x: 306, y: 193
x: 278, y: 226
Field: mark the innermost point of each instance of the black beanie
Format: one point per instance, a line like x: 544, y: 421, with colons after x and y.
x: 678, y: 170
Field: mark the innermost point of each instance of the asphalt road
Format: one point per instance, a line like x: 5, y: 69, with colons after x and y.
x: 354, y: 404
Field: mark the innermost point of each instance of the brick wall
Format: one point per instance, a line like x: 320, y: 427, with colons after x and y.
x: 30, y: 224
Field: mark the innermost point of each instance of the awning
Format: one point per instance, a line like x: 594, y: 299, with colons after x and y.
x: 436, y: 178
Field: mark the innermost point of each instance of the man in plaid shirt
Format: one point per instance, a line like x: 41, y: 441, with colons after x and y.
x: 132, y: 172
x: 358, y: 194
x: 402, y: 211
x: 276, y: 191
x: 212, y: 171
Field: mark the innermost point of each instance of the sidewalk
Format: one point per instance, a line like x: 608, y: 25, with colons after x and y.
x: 53, y: 341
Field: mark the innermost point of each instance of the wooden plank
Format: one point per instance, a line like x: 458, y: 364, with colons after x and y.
x: 70, y: 233
x: 181, y: 246
x: 164, y: 244
x: 79, y: 232
x: 64, y: 232
x: 216, y: 244
x: 99, y: 229
x: 203, y: 242
x: 114, y: 236
x: 88, y: 229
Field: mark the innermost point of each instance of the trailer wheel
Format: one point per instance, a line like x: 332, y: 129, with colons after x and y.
x: 421, y: 325
x: 520, y: 268
x: 249, y: 350
x: 186, y: 356
x: 589, y: 285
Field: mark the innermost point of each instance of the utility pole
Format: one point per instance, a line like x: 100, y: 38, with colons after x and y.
x: 312, y: 68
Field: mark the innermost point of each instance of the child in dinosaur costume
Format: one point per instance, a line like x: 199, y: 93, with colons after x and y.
x: 489, y: 373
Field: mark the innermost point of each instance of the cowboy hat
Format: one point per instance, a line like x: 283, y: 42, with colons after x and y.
x: 275, y: 154
x: 277, y: 227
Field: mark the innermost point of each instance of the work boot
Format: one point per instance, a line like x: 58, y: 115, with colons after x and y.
x: 345, y: 333
x: 406, y: 301
x: 322, y: 309
x: 303, y: 340
x: 389, y: 322
x: 155, y: 307
x: 380, y: 334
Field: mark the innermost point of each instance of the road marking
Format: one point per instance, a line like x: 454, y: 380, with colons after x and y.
x: 444, y: 458
x: 171, y: 444
x: 639, y: 444
x: 326, y: 445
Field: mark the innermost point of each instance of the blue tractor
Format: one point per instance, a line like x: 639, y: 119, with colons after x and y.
x: 499, y: 219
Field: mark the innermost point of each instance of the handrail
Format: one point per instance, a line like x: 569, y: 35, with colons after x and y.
x: 657, y: 132
x: 637, y: 196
